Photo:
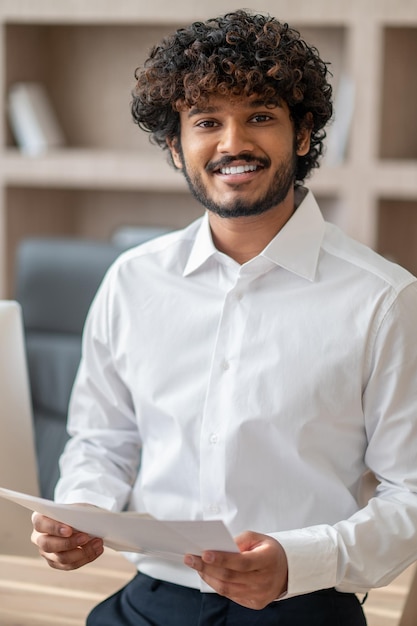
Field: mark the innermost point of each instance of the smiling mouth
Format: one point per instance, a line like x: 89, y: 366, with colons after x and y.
x: 238, y: 169
x: 238, y: 164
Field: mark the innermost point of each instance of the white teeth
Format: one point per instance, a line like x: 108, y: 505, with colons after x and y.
x: 238, y: 169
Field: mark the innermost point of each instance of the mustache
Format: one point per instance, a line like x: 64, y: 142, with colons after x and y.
x: 248, y: 158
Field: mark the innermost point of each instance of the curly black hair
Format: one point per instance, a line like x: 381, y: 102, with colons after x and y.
x: 236, y: 54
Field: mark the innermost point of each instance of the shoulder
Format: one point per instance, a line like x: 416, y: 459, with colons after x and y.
x: 365, y: 263
x: 169, y: 251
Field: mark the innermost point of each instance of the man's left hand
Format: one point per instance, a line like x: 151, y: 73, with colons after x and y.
x: 254, y: 577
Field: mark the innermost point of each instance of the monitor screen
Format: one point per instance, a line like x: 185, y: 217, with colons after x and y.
x: 18, y: 468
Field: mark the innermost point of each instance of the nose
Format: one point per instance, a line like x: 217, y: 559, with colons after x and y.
x: 235, y: 138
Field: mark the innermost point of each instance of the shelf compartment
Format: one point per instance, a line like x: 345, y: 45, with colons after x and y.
x: 397, y: 231
x: 398, y: 136
x: 88, y: 73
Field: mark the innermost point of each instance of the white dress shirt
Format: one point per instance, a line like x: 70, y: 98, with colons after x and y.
x: 258, y: 394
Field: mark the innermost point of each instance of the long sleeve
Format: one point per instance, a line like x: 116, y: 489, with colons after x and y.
x: 101, y: 460
x: 374, y: 545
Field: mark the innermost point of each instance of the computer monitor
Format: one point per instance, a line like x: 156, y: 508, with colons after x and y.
x: 18, y: 467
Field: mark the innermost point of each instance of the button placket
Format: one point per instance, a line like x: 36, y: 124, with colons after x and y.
x: 212, y: 443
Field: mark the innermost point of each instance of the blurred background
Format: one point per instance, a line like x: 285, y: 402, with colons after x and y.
x: 79, y: 182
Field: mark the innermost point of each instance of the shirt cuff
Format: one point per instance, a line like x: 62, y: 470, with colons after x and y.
x: 85, y: 496
x: 312, y: 558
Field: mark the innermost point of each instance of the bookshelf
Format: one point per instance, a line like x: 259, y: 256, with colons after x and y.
x: 108, y: 175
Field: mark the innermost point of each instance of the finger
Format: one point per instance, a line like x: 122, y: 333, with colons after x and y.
x: 249, y: 540
x: 251, y: 591
x: 243, y: 560
x: 44, y: 524
x: 238, y: 562
x: 213, y: 564
x: 76, y: 558
x: 243, y: 587
x: 50, y: 543
x: 228, y: 589
x: 257, y: 551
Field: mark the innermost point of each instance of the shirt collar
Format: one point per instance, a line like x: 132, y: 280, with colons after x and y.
x: 203, y: 247
x: 296, y: 247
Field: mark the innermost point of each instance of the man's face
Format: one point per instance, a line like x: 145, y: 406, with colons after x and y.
x: 238, y: 154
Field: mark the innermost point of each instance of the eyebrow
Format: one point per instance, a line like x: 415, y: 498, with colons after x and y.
x: 198, y: 110
x: 253, y: 104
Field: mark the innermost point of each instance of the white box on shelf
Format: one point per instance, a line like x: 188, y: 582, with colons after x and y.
x: 32, y: 118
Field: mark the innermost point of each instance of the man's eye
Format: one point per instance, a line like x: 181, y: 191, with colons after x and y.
x: 206, y: 124
x: 261, y: 118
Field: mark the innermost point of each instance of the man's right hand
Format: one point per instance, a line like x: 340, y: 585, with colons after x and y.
x: 62, y: 546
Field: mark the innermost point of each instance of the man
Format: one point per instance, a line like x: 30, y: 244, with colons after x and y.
x: 251, y: 367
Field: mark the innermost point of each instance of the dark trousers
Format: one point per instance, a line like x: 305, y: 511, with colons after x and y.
x: 149, y: 602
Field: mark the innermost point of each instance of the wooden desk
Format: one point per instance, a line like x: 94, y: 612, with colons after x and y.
x: 409, y: 614
x: 385, y: 606
x: 33, y: 594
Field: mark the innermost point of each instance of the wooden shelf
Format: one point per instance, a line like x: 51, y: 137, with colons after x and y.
x: 92, y: 169
x: 395, y: 179
x: 124, y: 170
x: 162, y: 12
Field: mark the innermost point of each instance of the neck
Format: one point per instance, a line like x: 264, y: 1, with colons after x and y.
x: 243, y: 238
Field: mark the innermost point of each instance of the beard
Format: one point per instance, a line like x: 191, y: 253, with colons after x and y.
x: 283, y: 180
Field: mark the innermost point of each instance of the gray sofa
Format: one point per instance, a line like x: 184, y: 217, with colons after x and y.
x: 56, y: 280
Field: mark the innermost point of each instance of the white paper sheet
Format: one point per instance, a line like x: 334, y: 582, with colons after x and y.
x: 134, y: 532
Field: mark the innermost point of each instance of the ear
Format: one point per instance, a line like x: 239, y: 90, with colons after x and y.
x: 175, y: 153
x: 304, y: 135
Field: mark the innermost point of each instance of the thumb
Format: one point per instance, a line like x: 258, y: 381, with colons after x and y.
x: 248, y: 540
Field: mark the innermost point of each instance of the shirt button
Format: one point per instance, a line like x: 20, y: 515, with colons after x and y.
x: 239, y: 296
x: 226, y: 365
x: 214, y: 438
x: 214, y: 508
